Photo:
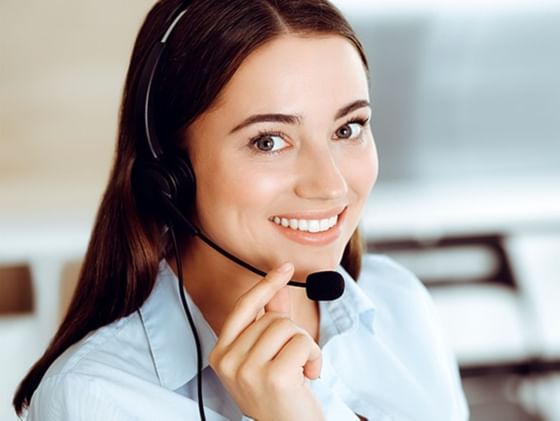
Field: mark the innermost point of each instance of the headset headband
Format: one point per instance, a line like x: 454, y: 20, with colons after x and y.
x: 144, y: 100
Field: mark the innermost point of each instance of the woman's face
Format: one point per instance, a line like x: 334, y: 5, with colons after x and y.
x: 285, y: 158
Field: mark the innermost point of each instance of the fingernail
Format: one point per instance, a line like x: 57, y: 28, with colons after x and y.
x: 286, y: 267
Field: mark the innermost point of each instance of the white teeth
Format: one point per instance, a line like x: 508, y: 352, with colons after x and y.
x: 311, y: 225
x: 314, y: 225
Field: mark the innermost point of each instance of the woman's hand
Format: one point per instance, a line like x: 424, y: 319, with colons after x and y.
x: 264, y: 362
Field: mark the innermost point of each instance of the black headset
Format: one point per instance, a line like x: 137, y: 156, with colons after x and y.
x: 164, y: 183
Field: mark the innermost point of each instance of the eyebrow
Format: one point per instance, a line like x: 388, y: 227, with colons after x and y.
x: 295, y: 119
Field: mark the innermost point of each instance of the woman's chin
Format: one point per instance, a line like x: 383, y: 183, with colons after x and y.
x: 302, y: 271
x: 307, y: 263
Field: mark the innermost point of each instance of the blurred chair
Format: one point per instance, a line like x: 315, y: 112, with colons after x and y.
x: 16, y: 290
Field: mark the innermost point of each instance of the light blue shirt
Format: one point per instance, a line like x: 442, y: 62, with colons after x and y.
x: 384, y: 357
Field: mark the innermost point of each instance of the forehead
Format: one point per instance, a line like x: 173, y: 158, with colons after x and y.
x: 292, y: 73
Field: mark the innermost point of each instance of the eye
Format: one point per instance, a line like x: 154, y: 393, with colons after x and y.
x: 351, y: 129
x: 268, y: 142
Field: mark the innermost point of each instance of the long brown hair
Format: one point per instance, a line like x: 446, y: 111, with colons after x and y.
x: 204, y: 51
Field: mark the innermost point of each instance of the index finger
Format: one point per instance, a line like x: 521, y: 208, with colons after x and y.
x: 280, y: 302
x: 254, y: 300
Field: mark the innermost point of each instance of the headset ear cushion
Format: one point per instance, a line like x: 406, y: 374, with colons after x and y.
x: 157, y: 184
x: 182, y: 178
x: 151, y: 185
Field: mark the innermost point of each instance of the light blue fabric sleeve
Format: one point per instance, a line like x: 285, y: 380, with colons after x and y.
x: 412, y: 304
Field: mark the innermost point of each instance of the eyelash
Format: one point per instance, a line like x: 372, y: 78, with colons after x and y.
x: 361, y: 121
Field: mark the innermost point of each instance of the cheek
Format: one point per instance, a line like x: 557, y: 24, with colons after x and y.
x: 233, y: 190
x: 371, y: 169
x: 361, y: 172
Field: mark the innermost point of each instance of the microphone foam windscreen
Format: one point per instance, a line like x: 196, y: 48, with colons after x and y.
x: 324, y: 286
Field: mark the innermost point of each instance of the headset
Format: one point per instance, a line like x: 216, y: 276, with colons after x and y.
x: 165, y: 185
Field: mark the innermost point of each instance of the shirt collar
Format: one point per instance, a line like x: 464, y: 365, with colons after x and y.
x: 172, y: 344
x: 169, y: 333
x: 347, y: 313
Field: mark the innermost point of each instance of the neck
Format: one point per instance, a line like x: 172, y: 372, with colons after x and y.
x: 215, y: 284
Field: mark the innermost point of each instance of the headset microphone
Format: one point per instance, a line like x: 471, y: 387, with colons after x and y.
x: 320, y: 286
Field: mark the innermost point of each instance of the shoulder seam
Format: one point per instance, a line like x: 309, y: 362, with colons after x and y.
x: 90, y: 344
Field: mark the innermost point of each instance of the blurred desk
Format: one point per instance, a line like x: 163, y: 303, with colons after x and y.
x: 504, y: 330
x: 430, y: 210
x: 488, y: 323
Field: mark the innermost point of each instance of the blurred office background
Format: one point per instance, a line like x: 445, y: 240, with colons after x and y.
x: 466, y: 99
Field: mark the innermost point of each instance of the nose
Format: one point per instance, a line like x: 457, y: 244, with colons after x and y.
x: 320, y: 177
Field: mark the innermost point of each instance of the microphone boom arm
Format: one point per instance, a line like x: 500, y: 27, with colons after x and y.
x: 327, y: 285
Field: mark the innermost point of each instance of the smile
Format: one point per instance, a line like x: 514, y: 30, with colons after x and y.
x: 319, y: 224
x: 307, y: 225
x: 319, y: 228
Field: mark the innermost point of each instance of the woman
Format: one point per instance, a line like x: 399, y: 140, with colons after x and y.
x: 269, y: 101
